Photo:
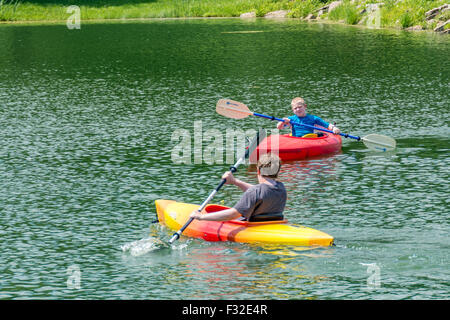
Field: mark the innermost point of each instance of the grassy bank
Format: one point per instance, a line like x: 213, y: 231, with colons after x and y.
x: 393, y: 13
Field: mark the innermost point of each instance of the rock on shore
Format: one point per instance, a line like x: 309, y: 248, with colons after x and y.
x: 368, y: 8
x: 441, y: 26
x: 277, y: 14
x: 328, y: 8
x: 248, y: 15
x: 434, y: 12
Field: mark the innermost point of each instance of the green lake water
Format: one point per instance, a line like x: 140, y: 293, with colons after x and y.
x: 86, y: 124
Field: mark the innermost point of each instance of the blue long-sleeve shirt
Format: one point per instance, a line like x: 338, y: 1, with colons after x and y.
x: 309, y: 119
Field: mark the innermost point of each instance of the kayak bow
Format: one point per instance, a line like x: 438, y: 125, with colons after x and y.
x: 291, y: 148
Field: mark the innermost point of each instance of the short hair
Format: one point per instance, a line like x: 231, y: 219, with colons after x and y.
x: 297, y: 100
x: 269, y: 165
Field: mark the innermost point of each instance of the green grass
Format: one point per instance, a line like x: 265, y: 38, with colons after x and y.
x: 8, y: 9
x: 394, y: 13
x: 407, y: 19
x: 101, y: 9
x: 347, y: 12
x: 300, y: 9
x: 406, y: 13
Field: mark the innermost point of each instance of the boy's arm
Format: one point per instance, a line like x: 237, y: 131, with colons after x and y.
x: 327, y: 125
x: 223, y: 215
x: 242, y: 184
x: 230, y: 179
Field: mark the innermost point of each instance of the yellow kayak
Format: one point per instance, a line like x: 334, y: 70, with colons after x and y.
x: 175, y: 214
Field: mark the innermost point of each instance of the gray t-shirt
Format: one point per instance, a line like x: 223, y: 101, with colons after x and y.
x: 263, y: 202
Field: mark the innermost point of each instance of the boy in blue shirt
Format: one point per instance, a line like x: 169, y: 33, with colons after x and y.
x: 300, y: 116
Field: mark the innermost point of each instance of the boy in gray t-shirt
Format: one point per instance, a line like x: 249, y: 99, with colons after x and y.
x: 261, y: 202
x: 264, y: 201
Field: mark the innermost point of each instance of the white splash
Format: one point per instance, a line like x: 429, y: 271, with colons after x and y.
x: 143, y: 246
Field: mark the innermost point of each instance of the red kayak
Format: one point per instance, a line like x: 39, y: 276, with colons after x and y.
x: 297, y: 148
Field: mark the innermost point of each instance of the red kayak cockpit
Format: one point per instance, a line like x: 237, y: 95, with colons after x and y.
x: 215, y: 207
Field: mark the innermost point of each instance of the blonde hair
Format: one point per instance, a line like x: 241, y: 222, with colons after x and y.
x: 269, y: 165
x: 297, y: 100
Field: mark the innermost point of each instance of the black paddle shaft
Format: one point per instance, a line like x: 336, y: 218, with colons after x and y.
x: 255, y: 142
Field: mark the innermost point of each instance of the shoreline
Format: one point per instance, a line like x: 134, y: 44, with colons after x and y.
x: 112, y: 20
x: 344, y: 12
x: 322, y: 21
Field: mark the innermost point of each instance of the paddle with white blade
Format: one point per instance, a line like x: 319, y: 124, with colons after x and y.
x: 260, y: 135
x: 238, y: 110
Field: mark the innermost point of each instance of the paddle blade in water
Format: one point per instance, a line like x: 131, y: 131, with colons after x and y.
x: 378, y: 142
x: 232, y: 109
x: 143, y: 246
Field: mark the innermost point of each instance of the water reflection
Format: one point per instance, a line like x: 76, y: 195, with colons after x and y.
x: 314, y: 173
x: 313, y: 188
x: 250, y: 272
x: 86, y: 149
x: 230, y: 270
